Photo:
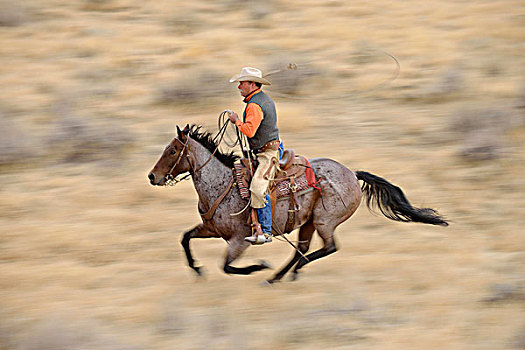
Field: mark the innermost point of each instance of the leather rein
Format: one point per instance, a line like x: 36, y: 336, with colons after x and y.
x: 172, y: 180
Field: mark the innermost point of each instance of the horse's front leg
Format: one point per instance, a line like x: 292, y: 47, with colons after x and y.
x: 236, y: 246
x: 198, y: 231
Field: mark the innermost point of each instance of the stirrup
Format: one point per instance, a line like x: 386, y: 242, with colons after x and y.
x: 259, y: 239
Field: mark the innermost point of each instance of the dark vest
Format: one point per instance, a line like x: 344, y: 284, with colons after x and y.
x: 267, y: 130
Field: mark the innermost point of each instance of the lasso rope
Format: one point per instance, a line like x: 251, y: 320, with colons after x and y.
x: 223, y: 121
x: 294, y: 66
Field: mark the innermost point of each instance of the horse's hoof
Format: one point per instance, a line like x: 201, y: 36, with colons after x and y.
x: 271, y: 281
x: 295, y: 276
x: 199, y: 271
x: 266, y: 283
x: 265, y: 265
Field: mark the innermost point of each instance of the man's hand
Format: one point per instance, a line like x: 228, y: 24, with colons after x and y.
x: 233, y: 117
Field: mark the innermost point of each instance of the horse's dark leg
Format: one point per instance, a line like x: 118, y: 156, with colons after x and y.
x: 305, y: 238
x: 198, y: 231
x: 237, y: 246
x: 329, y: 247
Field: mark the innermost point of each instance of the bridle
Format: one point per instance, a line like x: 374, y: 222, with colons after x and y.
x: 173, y: 180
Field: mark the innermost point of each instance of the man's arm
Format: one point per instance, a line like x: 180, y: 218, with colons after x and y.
x: 254, y: 116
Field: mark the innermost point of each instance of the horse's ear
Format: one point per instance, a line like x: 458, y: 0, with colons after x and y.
x: 179, y: 133
x: 186, y: 129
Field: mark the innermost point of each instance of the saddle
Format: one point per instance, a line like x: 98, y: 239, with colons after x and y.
x: 293, y: 174
x: 291, y: 166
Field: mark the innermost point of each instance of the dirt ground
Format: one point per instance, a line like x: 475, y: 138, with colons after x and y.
x: 91, y: 91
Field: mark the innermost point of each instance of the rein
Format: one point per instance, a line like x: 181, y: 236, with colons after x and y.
x: 221, y: 132
x: 171, y: 180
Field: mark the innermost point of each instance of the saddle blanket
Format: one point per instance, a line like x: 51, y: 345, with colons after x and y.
x: 283, y: 187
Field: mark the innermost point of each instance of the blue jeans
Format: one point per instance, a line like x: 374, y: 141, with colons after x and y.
x: 265, y: 214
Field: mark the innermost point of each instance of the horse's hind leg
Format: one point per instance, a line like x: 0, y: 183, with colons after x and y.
x: 237, y: 246
x: 198, y: 231
x: 305, y: 238
x: 329, y: 247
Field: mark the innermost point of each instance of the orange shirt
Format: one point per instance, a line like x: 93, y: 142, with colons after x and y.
x: 254, y: 116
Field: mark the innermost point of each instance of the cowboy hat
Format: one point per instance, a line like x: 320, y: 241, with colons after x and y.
x: 250, y: 74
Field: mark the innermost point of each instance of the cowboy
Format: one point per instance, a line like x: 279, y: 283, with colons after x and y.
x: 259, y: 124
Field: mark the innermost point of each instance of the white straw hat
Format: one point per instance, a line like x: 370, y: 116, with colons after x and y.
x: 250, y: 74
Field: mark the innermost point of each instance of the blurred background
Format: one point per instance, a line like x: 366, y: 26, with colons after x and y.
x: 91, y: 91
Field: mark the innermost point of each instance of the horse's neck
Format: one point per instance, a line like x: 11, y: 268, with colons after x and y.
x: 211, y: 180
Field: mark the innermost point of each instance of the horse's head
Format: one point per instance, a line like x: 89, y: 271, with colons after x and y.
x: 174, y: 159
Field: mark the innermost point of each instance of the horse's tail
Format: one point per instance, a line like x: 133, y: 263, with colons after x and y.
x: 392, y: 202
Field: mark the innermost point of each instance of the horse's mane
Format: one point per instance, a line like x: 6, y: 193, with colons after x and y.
x: 206, y: 139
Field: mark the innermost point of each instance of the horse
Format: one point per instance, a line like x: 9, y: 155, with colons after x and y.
x: 194, y: 152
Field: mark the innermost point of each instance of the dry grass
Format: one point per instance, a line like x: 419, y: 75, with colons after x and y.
x: 90, y: 254
x: 11, y: 15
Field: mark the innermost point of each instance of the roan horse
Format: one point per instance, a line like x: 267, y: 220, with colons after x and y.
x: 195, y: 152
